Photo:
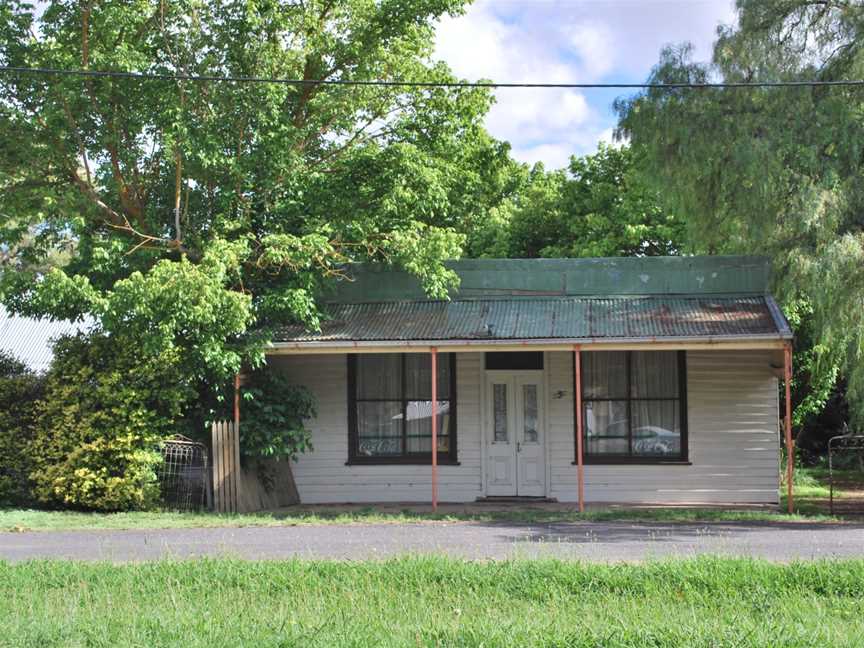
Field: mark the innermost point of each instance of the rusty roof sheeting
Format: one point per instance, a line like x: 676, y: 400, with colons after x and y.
x: 548, y: 318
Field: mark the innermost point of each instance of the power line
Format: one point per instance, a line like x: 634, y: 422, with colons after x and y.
x: 146, y: 76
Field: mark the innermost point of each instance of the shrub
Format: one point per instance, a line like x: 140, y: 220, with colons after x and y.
x: 105, y: 410
x: 20, y: 391
x: 274, y: 412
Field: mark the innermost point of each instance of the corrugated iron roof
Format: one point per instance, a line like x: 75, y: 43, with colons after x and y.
x: 654, y: 317
x: 30, y: 340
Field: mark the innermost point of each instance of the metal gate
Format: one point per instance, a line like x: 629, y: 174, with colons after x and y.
x: 184, y: 476
x: 846, y: 443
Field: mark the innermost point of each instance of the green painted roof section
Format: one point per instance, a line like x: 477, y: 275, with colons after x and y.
x: 603, y: 277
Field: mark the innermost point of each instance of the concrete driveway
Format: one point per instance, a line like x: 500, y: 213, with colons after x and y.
x: 604, y: 542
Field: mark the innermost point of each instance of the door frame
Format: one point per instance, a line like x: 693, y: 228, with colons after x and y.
x: 542, y: 376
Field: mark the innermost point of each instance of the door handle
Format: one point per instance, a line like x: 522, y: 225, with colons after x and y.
x: 518, y: 447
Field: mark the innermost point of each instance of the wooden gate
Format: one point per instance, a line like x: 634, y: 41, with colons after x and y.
x: 226, y: 467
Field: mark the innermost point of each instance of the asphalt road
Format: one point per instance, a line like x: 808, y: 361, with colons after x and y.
x: 604, y: 542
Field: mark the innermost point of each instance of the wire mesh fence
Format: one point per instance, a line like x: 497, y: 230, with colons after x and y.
x: 184, y: 476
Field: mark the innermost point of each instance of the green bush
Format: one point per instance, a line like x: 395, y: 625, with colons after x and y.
x: 105, y: 410
x: 20, y: 391
x: 274, y: 413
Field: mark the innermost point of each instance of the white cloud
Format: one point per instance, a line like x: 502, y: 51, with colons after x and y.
x: 568, y: 41
x: 553, y: 156
x: 524, y: 114
x: 594, y: 46
x: 608, y: 137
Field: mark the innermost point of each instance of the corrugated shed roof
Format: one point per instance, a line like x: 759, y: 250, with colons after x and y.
x: 30, y: 340
x: 654, y: 317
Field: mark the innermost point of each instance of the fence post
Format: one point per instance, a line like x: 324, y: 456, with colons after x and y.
x: 218, y: 468
x: 238, y: 481
x: 226, y: 467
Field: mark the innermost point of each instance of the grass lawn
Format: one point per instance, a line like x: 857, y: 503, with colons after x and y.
x: 812, y: 490
x: 811, y: 494
x: 432, y: 602
x: 37, y: 520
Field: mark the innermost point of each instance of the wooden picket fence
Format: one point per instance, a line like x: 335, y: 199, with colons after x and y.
x: 226, y: 467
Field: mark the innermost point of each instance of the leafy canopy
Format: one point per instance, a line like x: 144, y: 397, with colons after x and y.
x: 161, y: 194
x: 600, y: 207
x: 20, y: 391
x: 776, y: 171
x: 99, y: 423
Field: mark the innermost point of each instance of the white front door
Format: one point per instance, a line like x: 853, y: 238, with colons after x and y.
x: 516, y: 464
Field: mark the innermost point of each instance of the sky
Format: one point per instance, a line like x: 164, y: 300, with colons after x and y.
x: 568, y: 41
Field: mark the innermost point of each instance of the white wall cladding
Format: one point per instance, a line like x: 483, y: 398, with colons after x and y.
x: 323, y: 477
x: 733, y: 438
x: 732, y: 412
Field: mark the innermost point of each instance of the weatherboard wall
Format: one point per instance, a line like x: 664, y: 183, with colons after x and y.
x: 322, y: 475
x: 733, y: 439
x: 732, y: 412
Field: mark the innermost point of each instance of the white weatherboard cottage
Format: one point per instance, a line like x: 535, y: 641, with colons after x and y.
x: 678, y: 363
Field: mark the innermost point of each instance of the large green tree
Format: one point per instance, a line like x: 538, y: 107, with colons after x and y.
x: 258, y: 190
x: 599, y: 206
x: 187, y: 218
x: 773, y: 170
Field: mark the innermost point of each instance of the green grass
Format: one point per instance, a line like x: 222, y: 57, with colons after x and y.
x: 432, y: 602
x: 811, y: 492
x: 38, y: 520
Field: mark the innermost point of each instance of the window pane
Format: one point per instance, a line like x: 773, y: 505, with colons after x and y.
x: 529, y: 405
x: 604, y: 374
x: 418, y: 375
x: 419, y: 422
x: 654, y: 374
x: 379, y: 375
x: 656, y: 428
x: 606, y: 428
x: 514, y: 360
x: 379, y: 428
x: 499, y: 412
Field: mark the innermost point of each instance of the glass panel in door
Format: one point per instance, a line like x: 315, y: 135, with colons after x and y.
x: 501, y: 436
x: 499, y: 412
x: 529, y: 419
x: 530, y: 454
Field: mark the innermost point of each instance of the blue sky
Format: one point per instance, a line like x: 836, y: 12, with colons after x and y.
x: 568, y: 41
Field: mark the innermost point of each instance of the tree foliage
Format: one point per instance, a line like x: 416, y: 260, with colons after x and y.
x: 776, y: 171
x: 104, y: 412
x: 20, y: 391
x: 132, y: 178
x: 187, y: 218
x: 274, y: 416
x: 599, y: 207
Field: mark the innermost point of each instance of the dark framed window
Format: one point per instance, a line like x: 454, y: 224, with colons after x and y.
x: 390, y: 408
x: 634, y: 406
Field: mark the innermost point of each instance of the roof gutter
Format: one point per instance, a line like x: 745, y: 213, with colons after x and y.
x: 778, y: 317
x: 764, y: 341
